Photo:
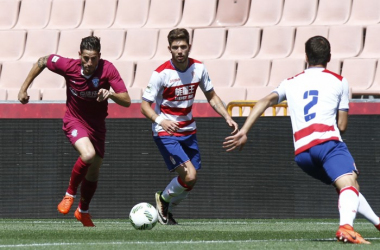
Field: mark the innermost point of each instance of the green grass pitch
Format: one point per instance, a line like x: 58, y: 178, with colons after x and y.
x: 190, y: 234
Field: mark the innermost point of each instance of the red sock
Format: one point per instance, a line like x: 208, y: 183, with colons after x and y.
x: 77, y: 175
x: 87, y: 191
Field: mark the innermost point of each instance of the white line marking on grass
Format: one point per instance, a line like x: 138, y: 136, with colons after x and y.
x: 168, y: 242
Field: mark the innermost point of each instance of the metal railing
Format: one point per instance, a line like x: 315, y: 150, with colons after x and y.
x: 251, y: 104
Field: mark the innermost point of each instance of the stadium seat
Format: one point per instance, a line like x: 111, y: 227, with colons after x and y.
x: 303, y: 33
x: 126, y: 70
x: 158, y: 13
x: 335, y: 65
x: 364, y: 12
x: 198, y: 13
x: 48, y: 80
x: 34, y: 14
x: 112, y: 41
x: 131, y: 14
x: 140, y: 44
x: 231, y: 13
x: 208, y: 43
x: 333, y: 12
x: 238, y: 48
x: 66, y: 14
x: 98, y: 14
x: 285, y: 68
x: 69, y: 42
x: 339, y: 37
x: 252, y: 72
x: 221, y: 71
x: 162, y: 51
x: 360, y: 73
x: 12, y: 44
x: 276, y: 42
x: 36, y: 47
x: 135, y: 93
x: 264, y: 13
x: 257, y: 93
x: 9, y: 11
x: 374, y: 89
x: 54, y: 94
x: 34, y: 94
x: 298, y: 13
x: 3, y: 94
x: 144, y: 70
x: 13, y: 74
x: 371, y: 48
x: 227, y: 95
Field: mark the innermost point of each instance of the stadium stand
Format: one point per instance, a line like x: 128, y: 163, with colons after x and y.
x: 158, y: 13
x: 66, y: 14
x: 69, y: 42
x: 333, y: 12
x: 345, y: 40
x: 302, y: 34
x: 36, y: 47
x: 264, y: 13
x: 222, y: 71
x: 9, y: 11
x: 34, y: 14
x: 231, y: 13
x: 131, y: 14
x: 12, y: 44
x: 285, y: 68
x: 126, y: 70
x: 335, y: 65
x: 298, y: 13
x: 238, y: 48
x: 140, y: 44
x: 374, y: 90
x: 54, y: 94
x: 3, y: 95
x: 48, y: 80
x: 144, y: 70
x: 162, y: 52
x: 208, y: 43
x: 98, y: 14
x: 198, y: 13
x: 112, y: 41
x: 364, y: 12
x: 371, y: 48
x: 252, y: 73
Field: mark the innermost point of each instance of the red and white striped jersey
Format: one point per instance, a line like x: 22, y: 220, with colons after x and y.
x: 314, y: 98
x: 174, y: 91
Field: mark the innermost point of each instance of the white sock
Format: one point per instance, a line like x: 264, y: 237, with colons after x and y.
x: 348, y: 205
x: 176, y: 200
x: 172, y: 190
x: 366, y: 210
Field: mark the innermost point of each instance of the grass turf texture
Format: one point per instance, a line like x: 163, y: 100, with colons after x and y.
x: 190, y: 234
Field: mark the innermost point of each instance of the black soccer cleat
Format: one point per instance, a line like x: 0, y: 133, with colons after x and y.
x: 162, y: 209
x: 171, y: 220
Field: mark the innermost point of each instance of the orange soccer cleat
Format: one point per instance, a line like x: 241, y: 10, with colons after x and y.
x: 85, y: 218
x: 65, y: 205
x: 347, y: 234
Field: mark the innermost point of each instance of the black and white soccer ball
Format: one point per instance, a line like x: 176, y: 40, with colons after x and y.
x: 143, y: 216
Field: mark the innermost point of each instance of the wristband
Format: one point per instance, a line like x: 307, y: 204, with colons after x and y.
x: 158, y: 120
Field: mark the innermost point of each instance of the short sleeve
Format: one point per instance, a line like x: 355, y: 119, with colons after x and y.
x: 205, y: 83
x: 115, y: 80
x: 154, y: 86
x: 344, y: 100
x: 281, y: 91
x: 58, y: 64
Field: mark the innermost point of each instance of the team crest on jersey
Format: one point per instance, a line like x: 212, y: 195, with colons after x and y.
x: 95, y: 82
x: 74, y: 133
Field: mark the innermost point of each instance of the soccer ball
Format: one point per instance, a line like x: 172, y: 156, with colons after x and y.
x: 143, y: 216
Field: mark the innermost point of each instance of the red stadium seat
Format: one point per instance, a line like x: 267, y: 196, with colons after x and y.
x: 9, y: 11
x: 66, y: 14
x: 34, y: 14
x: 208, y: 43
x: 131, y: 14
x: 238, y: 48
x: 264, y: 13
x: 112, y: 41
x: 126, y: 70
x: 3, y: 94
x: 13, y: 74
x: 303, y: 34
x: 222, y: 72
x: 54, y: 94
x: 140, y: 44
x: 339, y: 37
x: 98, y: 14
x: 374, y: 89
x: 36, y: 47
x: 12, y: 44
x: 48, y: 80
x: 252, y: 72
x: 135, y: 93
x: 158, y: 13
x: 335, y: 65
x: 198, y: 13
x: 285, y: 68
x: 231, y: 13
x: 69, y: 42
x: 364, y: 12
x: 276, y: 42
x: 298, y: 13
x: 333, y: 12
x: 144, y: 70
x: 371, y: 47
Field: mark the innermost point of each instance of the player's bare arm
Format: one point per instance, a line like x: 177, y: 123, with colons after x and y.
x: 123, y: 99
x: 342, y: 120
x: 168, y: 125
x: 33, y: 73
x: 238, y: 140
x: 217, y: 104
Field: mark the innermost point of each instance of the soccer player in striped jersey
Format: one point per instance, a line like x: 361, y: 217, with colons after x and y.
x: 172, y: 86
x: 318, y: 104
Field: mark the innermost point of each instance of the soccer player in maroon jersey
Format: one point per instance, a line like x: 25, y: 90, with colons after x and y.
x: 88, y: 82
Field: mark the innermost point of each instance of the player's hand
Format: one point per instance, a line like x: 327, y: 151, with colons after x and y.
x: 23, y: 97
x: 103, y: 95
x: 233, y: 125
x: 170, y: 126
x: 235, y: 141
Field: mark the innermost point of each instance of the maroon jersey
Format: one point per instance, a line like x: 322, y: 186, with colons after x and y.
x: 82, y: 92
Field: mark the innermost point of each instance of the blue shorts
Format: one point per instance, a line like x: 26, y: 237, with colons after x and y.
x: 179, y: 149
x: 327, y: 161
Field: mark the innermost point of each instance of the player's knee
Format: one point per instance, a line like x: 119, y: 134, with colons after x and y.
x: 191, y: 179
x: 88, y: 156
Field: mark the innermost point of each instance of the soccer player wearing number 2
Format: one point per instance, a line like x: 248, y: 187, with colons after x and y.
x: 318, y: 105
x: 173, y: 86
x: 88, y: 82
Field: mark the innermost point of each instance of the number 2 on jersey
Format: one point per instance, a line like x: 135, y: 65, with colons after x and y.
x: 314, y: 99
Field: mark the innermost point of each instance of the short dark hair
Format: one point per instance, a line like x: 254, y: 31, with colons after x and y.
x: 178, y: 34
x: 90, y: 43
x: 318, y: 50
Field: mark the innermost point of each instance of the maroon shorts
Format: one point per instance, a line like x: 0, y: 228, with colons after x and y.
x: 75, y: 130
